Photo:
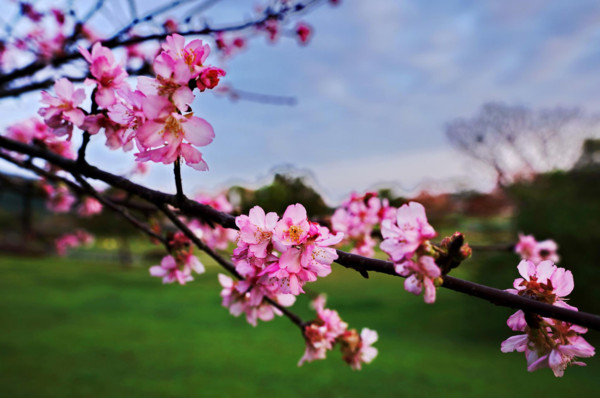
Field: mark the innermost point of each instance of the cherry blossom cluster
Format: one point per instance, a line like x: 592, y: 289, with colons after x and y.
x: 546, y: 342
x: 328, y: 329
x: 276, y: 258
x: 530, y: 249
x: 357, y: 217
x: 281, y: 255
x: 215, y: 237
x: 46, y: 35
x: 58, y: 199
x: 35, y: 131
x: 406, y: 241
x: 69, y: 241
x: 179, y: 264
x: 242, y: 297
x: 155, y: 116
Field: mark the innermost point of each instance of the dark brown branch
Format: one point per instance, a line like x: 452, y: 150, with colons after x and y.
x: 119, y: 210
x: 229, y: 266
x: 178, y: 183
x: 493, y: 295
x: 356, y: 262
x: 116, y: 41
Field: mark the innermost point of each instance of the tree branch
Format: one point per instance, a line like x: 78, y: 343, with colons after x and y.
x: 348, y: 260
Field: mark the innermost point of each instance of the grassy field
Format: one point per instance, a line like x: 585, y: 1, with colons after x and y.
x: 70, y: 328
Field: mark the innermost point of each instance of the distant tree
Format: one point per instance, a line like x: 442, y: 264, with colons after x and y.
x: 517, y: 142
x: 283, y: 190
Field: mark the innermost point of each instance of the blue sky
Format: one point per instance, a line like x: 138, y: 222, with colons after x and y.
x: 377, y: 84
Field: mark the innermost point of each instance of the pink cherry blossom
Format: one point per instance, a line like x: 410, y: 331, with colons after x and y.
x: 89, y: 207
x: 242, y: 298
x: 530, y: 249
x: 80, y: 237
x: 304, y: 32
x: 165, y: 129
x: 60, y: 199
x: 117, y: 135
x: 403, y: 238
x: 292, y: 229
x: 321, y: 334
x: 193, y: 54
x: 356, y: 218
x: 554, y: 344
x: 62, y: 112
x: 215, y: 237
x: 543, y: 282
x: 108, y: 74
x: 256, y: 230
x: 547, y: 343
x: 29, y: 131
x: 421, y: 274
x: 356, y: 349
x: 209, y: 78
x: 172, y: 82
x: 171, y: 270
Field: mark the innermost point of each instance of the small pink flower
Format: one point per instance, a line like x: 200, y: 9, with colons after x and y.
x: 166, y: 129
x: 170, y: 270
x: 192, y: 54
x: 209, y: 78
x: 530, y: 249
x: 543, y: 282
x: 292, y: 229
x: 256, y: 230
x: 241, y: 298
x: 303, y: 32
x: 321, y: 334
x: 62, y: 111
x: 404, y: 237
x: 109, y: 75
x: 80, y: 237
x: 60, y: 199
x: 356, y: 349
x: 420, y: 274
x: 89, y: 207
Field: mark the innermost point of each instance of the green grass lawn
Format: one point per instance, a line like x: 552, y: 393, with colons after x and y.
x: 85, y: 329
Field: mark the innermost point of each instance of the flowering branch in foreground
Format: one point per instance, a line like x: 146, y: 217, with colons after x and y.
x: 275, y: 257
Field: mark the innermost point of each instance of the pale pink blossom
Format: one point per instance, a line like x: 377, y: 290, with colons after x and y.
x: 165, y: 129
x: 530, y: 249
x: 215, y: 237
x: 321, y: 334
x: 543, y: 282
x: 403, y: 238
x: 240, y: 297
x: 356, y: 218
x: 420, y: 274
x: 192, y: 54
x: 89, y: 207
x: 117, y: 135
x: 109, y: 76
x: 69, y: 241
x: 172, y: 270
x: 292, y: 229
x: 62, y: 112
x: 256, y: 230
x: 547, y: 343
x: 554, y: 344
x: 60, y: 199
x: 356, y: 349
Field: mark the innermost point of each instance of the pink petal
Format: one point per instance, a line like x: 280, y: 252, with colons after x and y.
x: 198, y: 131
